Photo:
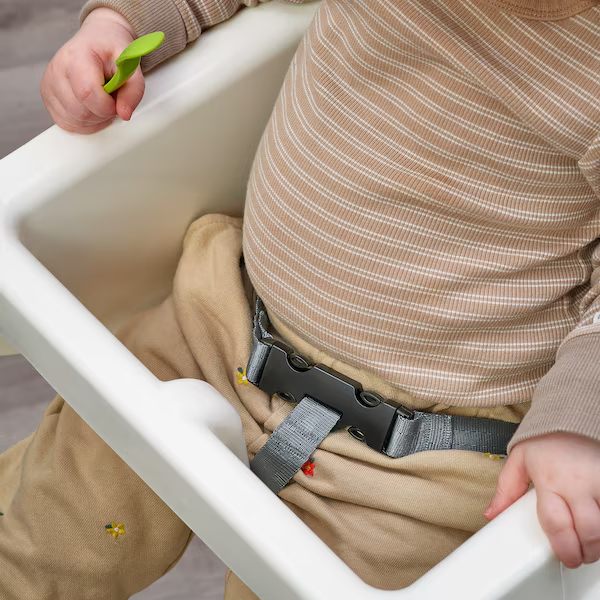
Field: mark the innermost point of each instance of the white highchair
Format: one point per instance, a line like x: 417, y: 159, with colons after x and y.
x: 90, y: 233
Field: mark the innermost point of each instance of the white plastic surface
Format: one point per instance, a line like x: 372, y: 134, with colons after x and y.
x: 90, y: 232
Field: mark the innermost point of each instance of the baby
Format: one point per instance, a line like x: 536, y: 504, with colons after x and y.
x: 423, y: 216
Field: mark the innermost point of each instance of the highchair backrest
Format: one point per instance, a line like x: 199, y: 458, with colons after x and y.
x: 90, y: 233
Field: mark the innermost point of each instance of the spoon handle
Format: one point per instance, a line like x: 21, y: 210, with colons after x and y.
x: 129, y: 59
x: 125, y: 70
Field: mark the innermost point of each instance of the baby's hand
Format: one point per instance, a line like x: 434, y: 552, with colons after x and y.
x: 565, y: 471
x: 72, y: 85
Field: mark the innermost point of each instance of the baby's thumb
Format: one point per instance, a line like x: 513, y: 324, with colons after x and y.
x: 130, y: 95
x: 512, y: 484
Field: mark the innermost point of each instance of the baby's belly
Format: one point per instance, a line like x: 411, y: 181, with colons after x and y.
x: 435, y: 301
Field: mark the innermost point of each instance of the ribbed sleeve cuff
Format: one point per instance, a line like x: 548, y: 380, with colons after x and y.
x: 145, y: 17
x: 567, y: 399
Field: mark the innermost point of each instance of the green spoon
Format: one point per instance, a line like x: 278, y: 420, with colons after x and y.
x: 130, y: 58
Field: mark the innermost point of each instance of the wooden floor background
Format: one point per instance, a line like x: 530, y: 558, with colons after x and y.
x: 30, y: 33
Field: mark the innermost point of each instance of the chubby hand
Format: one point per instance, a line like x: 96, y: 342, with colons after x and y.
x: 565, y: 471
x: 72, y: 85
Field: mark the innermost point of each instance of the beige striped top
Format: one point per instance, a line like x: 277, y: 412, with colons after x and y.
x: 425, y: 201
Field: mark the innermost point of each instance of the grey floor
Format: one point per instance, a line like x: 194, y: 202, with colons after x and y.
x: 30, y: 33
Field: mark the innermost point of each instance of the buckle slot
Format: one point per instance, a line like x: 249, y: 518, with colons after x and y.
x: 363, y: 411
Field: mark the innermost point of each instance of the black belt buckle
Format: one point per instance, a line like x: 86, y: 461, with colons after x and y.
x: 369, y: 417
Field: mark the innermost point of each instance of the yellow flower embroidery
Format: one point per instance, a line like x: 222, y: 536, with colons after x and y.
x: 115, y: 530
x: 241, y: 376
x: 495, y: 456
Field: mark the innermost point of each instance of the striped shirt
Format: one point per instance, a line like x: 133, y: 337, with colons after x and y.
x: 425, y: 202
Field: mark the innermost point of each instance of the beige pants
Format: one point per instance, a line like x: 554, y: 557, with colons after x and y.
x: 78, y: 524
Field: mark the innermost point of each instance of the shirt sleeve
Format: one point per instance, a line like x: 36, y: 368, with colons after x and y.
x: 182, y: 21
x: 567, y: 398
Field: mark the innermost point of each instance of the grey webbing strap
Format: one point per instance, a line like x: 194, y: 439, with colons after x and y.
x: 260, y: 350
x: 428, y: 431
x: 297, y: 437
x: 292, y: 443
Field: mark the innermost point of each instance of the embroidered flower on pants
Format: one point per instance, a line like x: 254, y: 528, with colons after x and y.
x: 308, y: 468
x: 242, y: 378
x: 115, y: 529
x: 495, y: 456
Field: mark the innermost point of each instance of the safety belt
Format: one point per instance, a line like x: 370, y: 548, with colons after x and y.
x: 328, y: 400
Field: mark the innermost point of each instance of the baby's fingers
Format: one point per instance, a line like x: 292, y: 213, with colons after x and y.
x: 586, y: 514
x: 77, y: 117
x: 556, y: 520
x: 513, y: 483
x: 130, y: 95
x: 65, y: 121
x: 87, y: 77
